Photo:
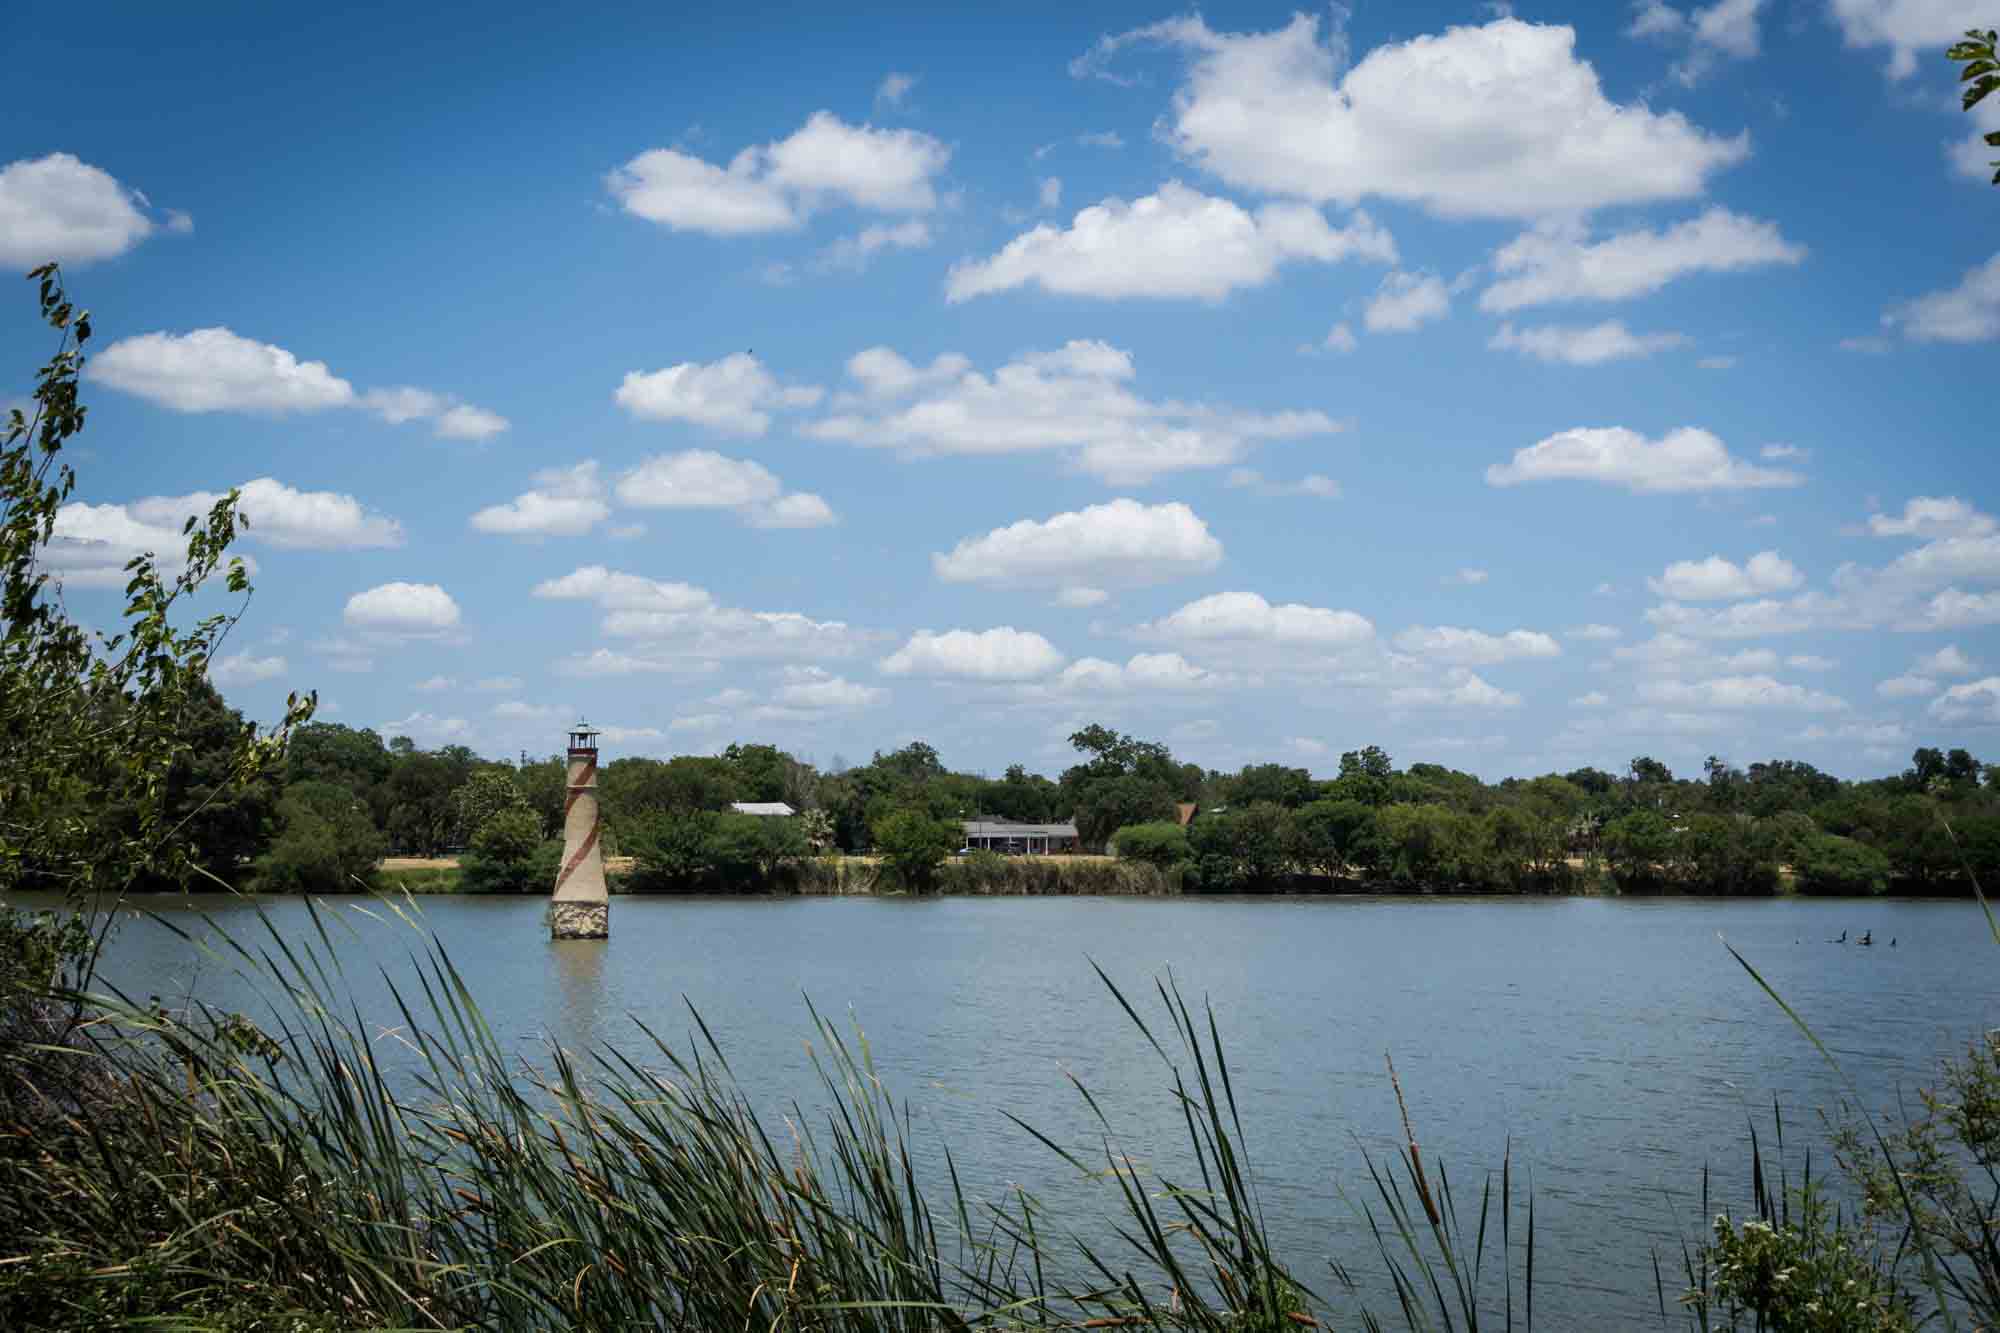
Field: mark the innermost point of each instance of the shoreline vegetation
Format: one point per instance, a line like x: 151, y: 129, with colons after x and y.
x: 337, y: 809
x: 1080, y: 875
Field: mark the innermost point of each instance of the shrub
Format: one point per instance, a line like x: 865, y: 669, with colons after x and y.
x: 1159, y: 844
x: 1813, y: 1273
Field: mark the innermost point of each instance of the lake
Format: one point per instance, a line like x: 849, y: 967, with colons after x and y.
x: 1614, y: 1040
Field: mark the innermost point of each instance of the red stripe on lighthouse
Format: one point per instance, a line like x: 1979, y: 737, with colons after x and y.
x: 577, y: 860
x: 582, y: 784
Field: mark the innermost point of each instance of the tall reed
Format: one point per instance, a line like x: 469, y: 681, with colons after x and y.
x: 289, y: 1175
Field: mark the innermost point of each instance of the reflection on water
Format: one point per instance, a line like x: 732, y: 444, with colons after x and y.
x: 579, y: 994
x: 1614, y: 1041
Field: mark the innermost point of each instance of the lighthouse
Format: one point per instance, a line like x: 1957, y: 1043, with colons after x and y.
x: 581, y: 909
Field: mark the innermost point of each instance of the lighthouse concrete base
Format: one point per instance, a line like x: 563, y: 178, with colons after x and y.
x: 579, y: 921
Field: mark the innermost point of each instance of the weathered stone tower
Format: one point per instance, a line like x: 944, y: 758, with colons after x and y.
x: 581, y: 909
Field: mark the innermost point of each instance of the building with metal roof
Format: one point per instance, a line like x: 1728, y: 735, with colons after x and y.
x: 1014, y: 839
x: 774, y: 808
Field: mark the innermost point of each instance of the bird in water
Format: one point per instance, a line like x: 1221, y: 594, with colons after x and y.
x: 1892, y: 941
x: 1841, y: 940
x: 1867, y: 937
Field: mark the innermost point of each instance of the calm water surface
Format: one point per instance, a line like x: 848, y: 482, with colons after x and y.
x: 1614, y: 1040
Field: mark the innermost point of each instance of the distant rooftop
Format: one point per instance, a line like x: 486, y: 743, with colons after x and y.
x: 1007, y: 828
x: 761, y: 808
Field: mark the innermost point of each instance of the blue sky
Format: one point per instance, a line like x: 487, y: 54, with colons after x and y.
x: 1512, y: 389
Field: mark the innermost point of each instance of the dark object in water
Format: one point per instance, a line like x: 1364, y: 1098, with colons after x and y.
x: 1841, y: 940
x: 1867, y: 938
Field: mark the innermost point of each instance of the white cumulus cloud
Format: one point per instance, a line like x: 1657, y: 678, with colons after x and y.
x: 1406, y: 302
x: 1247, y: 616
x: 1449, y: 645
x: 736, y: 394
x: 1559, y: 262
x: 216, y: 370
x: 1466, y: 690
x: 855, y: 252
x: 1121, y: 542
x: 1175, y: 243
x: 1496, y: 121
x: 1967, y: 313
x: 1718, y: 580
x: 1688, y: 459
x: 678, y: 627
x: 1907, y: 687
x: 703, y: 479
x: 63, y: 209
x: 246, y: 669
x: 1004, y: 653
x: 1976, y: 701
x: 283, y: 516
x: 1143, y: 671
x: 411, y: 610
x: 1591, y: 345
x: 1076, y: 400
x: 1946, y: 661
x: 1906, y: 27
x: 1738, y: 692
x: 1929, y: 517
x: 776, y: 186
x: 561, y: 502
x: 814, y: 690
x: 92, y: 542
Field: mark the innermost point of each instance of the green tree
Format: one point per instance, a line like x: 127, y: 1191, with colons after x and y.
x: 1021, y: 795
x: 1271, y: 783
x: 55, y: 676
x: 544, y: 785
x: 1829, y: 864
x: 1333, y: 837
x: 1430, y: 845
x: 486, y: 793
x: 913, y: 845
x: 1727, y: 854
x: 326, y: 842
x: 670, y: 849
x: 1106, y: 804
x: 1245, y: 848
x: 503, y: 855
x: 746, y: 850
x: 225, y: 817
x: 762, y: 772
x: 816, y: 829
x: 1639, y: 850
x: 422, y: 817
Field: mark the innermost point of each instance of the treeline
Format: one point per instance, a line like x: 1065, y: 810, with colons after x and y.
x: 344, y: 798
x: 1734, y: 831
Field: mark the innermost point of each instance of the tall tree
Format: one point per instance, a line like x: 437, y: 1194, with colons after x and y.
x: 77, y: 710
